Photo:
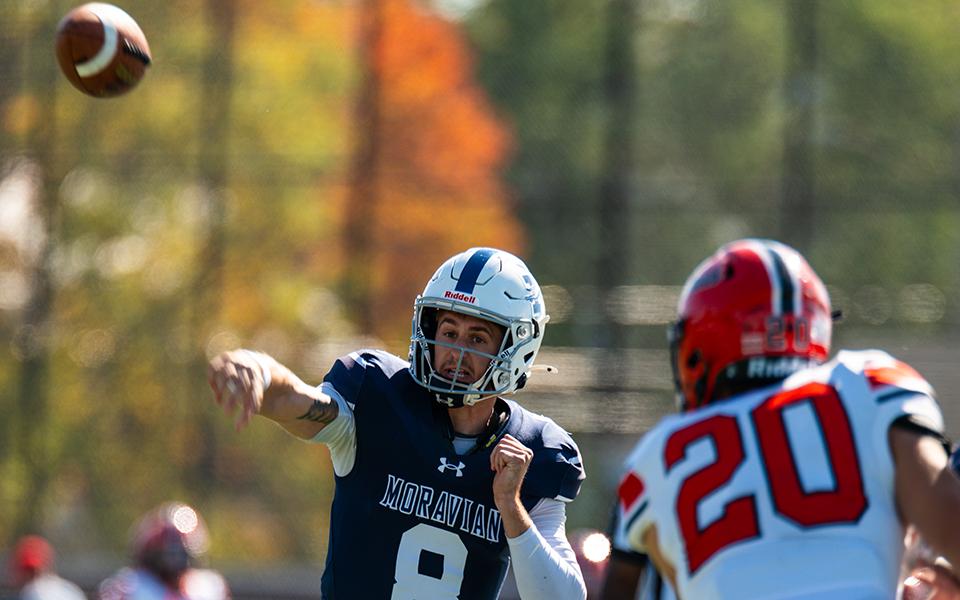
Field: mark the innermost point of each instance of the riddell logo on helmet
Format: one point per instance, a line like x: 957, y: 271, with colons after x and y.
x: 763, y: 367
x: 461, y: 297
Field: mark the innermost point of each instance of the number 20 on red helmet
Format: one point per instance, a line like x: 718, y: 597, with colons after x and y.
x: 749, y: 315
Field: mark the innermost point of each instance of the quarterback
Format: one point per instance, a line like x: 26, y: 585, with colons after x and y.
x: 786, y: 474
x: 441, y: 481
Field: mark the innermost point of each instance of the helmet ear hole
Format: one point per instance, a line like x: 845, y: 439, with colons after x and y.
x: 694, y: 359
x: 700, y: 389
x: 521, y: 381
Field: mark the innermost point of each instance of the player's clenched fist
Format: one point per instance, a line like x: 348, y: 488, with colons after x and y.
x: 510, y: 460
x: 237, y: 382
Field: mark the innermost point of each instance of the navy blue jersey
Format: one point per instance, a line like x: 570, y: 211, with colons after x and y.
x: 413, y: 519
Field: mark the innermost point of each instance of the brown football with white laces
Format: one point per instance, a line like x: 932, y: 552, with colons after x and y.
x: 101, y: 50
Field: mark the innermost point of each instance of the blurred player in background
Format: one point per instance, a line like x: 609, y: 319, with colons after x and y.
x: 441, y: 482
x: 166, y: 546
x: 784, y: 476
x: 34, y: 575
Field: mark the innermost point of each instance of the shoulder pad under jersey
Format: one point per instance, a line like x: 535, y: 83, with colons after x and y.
x: 557, y: 470
x: 349, y: 372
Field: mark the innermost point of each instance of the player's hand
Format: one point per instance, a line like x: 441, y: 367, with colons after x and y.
x: 237, y: 383
x: 931, y: 583
x: 510, y: 459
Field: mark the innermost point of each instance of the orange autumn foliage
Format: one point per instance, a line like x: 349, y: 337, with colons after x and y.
x: 437, y: 167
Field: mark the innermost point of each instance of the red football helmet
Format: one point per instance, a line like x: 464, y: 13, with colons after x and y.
x: 31, y: 556
x: 169, y: 540
x: 749, y: 315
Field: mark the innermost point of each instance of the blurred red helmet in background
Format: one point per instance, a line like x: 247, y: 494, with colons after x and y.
x: 169, y: 540
x: 31, y: 555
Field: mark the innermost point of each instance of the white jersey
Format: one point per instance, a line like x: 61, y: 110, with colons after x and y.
x: 134, y: 583
x: 783, y: 492
x: 50, y: 586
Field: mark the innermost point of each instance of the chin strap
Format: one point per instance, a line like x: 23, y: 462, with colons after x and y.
x: 455, y: 396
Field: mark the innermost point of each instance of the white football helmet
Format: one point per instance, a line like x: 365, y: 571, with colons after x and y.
x: 493, y: 285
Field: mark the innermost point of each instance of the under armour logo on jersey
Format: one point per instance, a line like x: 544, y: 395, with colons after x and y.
x: 444, y: 465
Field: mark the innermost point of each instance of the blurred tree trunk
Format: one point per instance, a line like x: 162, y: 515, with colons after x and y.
x: 614, y: 257
x: 953, y: 317
x: 216, y: 89
x: 359, y: 241
x: 32, y: 339
x: 799, y: 185
x: 428, y: 142
x: 11, y: 47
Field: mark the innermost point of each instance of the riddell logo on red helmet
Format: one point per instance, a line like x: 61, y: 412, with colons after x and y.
x: 461, y: 297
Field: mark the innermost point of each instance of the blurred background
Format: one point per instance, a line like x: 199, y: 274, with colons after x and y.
x: 289, y: 174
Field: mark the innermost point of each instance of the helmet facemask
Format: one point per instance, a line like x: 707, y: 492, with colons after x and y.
x: 497, y: 379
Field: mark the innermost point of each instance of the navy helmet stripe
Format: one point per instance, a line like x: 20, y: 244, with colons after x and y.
x: 468, y: 277
x: 786, y: 283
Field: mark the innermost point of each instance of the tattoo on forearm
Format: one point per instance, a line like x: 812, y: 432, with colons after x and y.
x: 320, y: 412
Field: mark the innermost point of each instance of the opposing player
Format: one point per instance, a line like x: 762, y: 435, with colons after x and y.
x: 33, y: 572
x: 440, y: 480
x: 785, y: 476
x: 166, y: 545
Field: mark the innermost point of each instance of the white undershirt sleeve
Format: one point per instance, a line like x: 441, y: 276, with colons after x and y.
x: 544, y: 564
x: 340, y: 435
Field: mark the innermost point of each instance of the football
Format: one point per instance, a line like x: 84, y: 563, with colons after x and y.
x: 101, y: 50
